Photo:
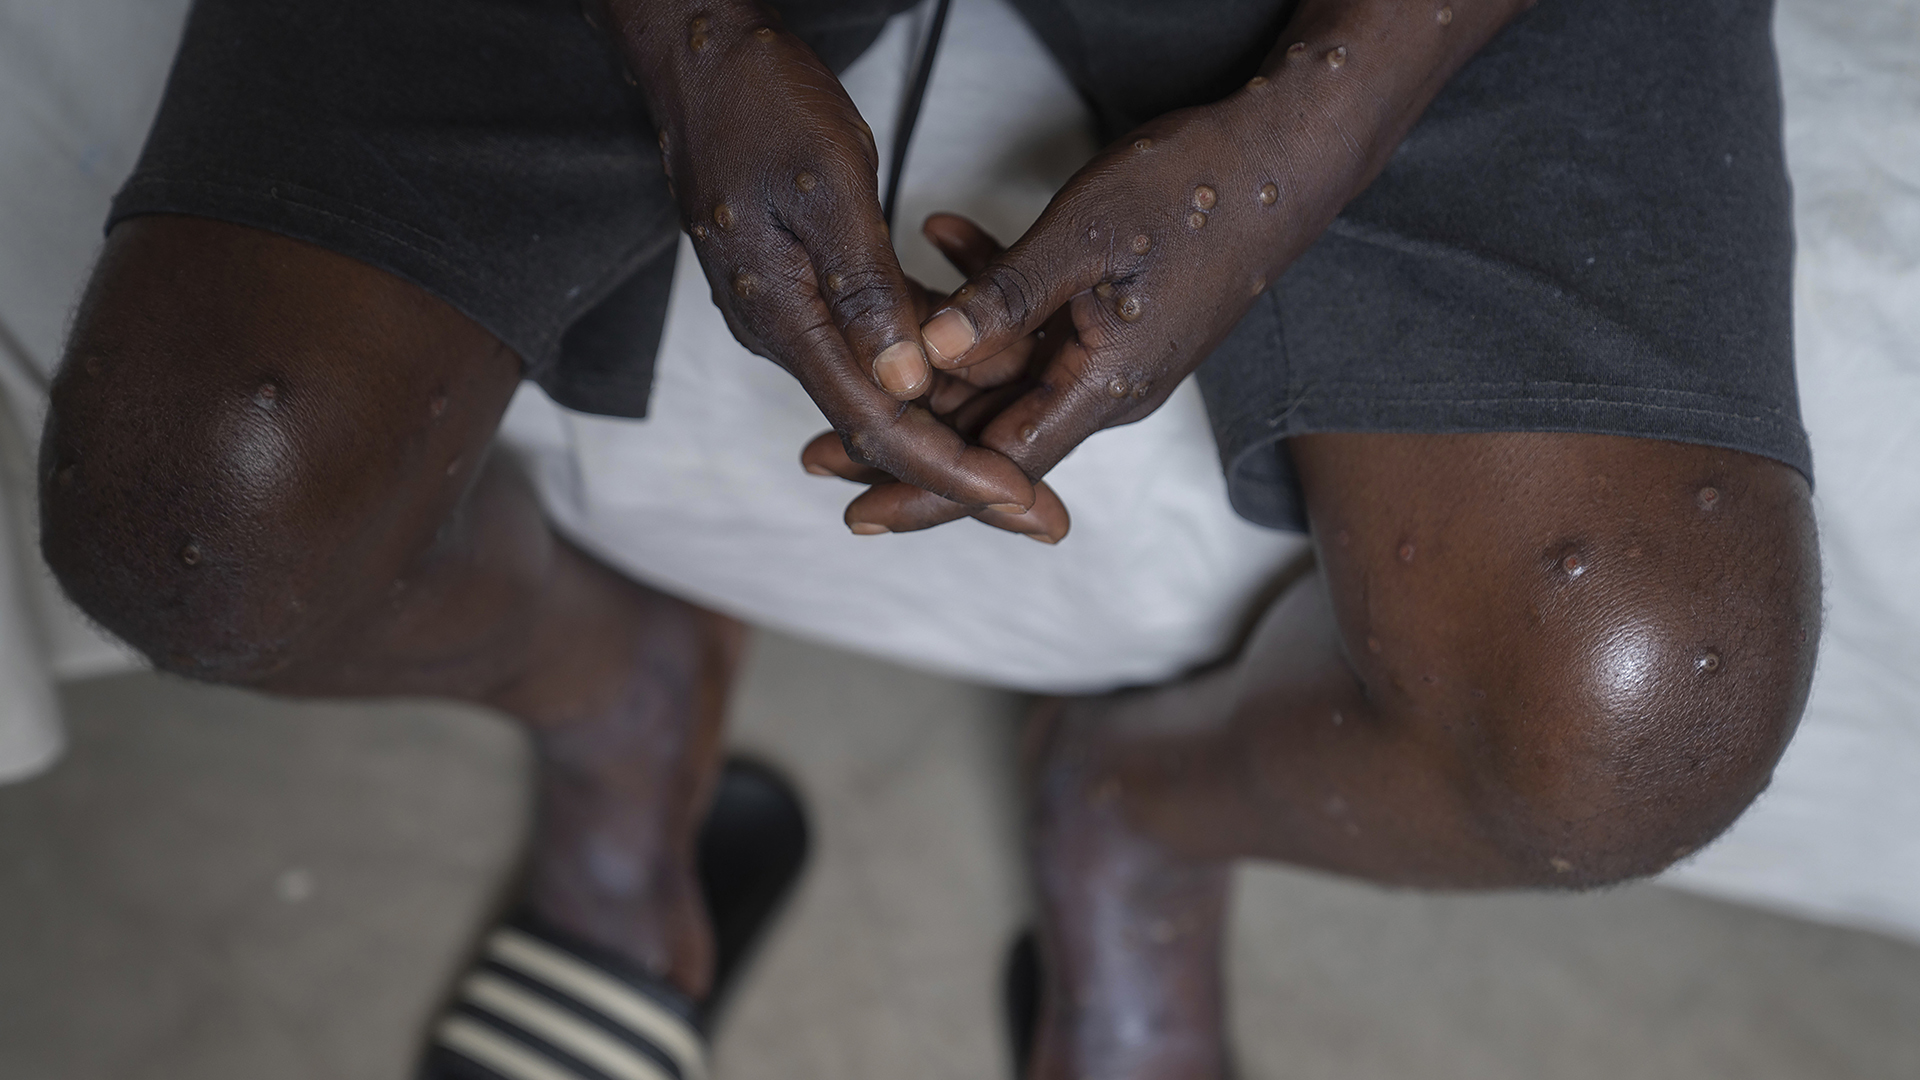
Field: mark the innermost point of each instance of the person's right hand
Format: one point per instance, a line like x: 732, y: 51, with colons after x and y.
x: 777, y: 180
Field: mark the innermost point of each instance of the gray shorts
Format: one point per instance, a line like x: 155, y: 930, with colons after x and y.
x: 1588, y: 231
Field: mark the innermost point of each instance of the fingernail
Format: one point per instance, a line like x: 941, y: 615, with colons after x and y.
x: 1042, y: 537
x: 901, y: 368
x: 949, y: 334
x: 868, y: 528
x: 1007, y: 508
x: 817, y: 470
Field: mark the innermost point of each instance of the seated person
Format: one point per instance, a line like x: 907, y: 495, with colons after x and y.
x: 1492, y: 301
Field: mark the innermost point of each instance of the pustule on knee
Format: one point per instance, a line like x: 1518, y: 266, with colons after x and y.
x: 168, y: 532
x: 1667, y: 745
x: 1611, y: 739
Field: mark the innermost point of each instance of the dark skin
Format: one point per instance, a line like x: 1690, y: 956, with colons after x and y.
x: 776, y: 177
x: 1154, y: 250
x: 1523, y: 660
x: 267, y: 465
x: 1555, y: 730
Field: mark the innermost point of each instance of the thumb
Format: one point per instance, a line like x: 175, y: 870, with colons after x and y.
x: 1015, y: 293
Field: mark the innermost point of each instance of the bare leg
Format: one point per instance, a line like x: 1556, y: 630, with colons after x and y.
x: 267, y: 465
x: 1523, y: 661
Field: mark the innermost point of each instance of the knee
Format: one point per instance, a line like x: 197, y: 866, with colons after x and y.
x: 1611, y: 748
x: 1608, y: 703
x: 252, y: 439
x: 169, y: 512
x: 1643, y: 768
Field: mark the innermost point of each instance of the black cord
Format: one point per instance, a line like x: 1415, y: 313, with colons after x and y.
x: 910, y: 110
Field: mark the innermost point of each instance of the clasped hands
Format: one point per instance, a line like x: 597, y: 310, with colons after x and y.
x: 957, y: 406
x: 1141, y: 264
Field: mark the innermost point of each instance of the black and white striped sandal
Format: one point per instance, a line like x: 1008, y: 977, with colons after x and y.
x: 540, y: 1004
x: 534, y: 1008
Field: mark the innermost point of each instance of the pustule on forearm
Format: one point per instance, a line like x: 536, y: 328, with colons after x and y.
x: 664, y: 40
x: 1345, y: 83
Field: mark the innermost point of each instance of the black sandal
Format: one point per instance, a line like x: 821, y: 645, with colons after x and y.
x: 1020, y: 984
x: 541, y: 1004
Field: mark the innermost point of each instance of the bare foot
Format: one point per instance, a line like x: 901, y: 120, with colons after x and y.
x: 1131, y: 934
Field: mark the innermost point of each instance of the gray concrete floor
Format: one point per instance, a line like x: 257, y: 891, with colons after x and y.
x: 216, y: 886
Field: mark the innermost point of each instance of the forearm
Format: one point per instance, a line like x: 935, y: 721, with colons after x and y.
x: 664, y: 38
x: 776, y: 177
x: 1341, y: 89
x: 674, y: 49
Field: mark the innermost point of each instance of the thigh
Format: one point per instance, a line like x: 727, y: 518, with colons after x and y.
x: 252, y: 439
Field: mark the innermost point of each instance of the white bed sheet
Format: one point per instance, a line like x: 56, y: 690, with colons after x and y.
x: 1838, y: 834
x: 1835, y: 836
x: 79, y: 80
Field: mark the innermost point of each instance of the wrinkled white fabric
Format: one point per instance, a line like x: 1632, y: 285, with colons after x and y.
x: 1838, y: 834
x: 1152, y: 577
x: 79, y: 81
x: 31, y: 737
